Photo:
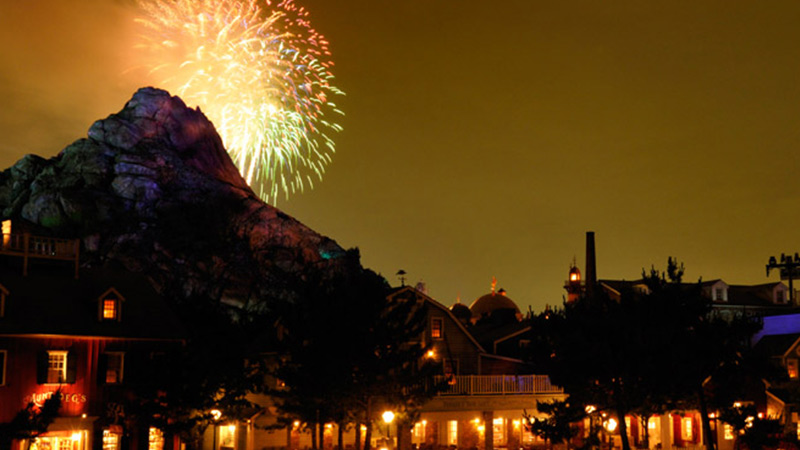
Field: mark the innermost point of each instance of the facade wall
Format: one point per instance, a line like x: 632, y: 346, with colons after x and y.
x: 90, y: 405
x: 454, y: 345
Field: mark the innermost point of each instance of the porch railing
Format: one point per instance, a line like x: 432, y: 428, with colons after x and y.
x: 497, y: 385
x: 29, y: 246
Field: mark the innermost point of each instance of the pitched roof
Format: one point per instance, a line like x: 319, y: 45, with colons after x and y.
x: 409, y: 289
x: 47, y: 303
x: 776, y: 345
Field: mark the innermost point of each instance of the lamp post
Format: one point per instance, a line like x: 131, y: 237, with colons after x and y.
x: 787, y: 266
x: 215, y: 415
x: 388, y: 417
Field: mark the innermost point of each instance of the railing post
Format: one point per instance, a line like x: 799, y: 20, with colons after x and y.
x: 25, y: 241
x: 77, y: 244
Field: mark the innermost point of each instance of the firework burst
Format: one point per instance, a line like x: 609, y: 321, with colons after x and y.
x: 260, y: 72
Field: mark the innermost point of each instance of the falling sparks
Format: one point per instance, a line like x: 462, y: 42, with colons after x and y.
x: 261, y: 74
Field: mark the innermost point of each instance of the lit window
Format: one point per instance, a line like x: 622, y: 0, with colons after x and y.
x: 110, y: 440
x: 452, y: 432
x: 114, y: 364
x: 499, y: 431
x: 109, y: 305
x: 156, y: 441
x: 3, y: 357
x: 56, y: 366
x: 728, y: 432
x: 109, y: 309
x: 791, y: 368
x: 227, y: 437
x: 437, y: 328
x: 6, y: 233
x: 687, y: 433
x: 65, y: 444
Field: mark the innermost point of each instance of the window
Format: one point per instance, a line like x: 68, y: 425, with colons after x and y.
x: 687, y: 433
x: 779, y: 298
x: 113, y: 368
x: 452, y: 432
x: 109, y: 305
x: 791, y: 368
x: 720, y: 294
x: 728, y: 432
x: 3, y: 357
x: 56, y: 366
x: 110, y: 440
x: 109, y: 309
x: 437, y: 328
x: 156, y: 441
x: 499, y: 432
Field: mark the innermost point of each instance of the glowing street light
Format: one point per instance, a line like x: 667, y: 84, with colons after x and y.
x: 388, y: 417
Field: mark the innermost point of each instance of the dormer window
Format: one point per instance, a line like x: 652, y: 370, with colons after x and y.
x: 109, y: 306
x: 779, y: 296
x: 720, y: 294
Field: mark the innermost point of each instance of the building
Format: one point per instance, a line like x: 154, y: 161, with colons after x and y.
x: 488, y: 388
x: 779, y: 340
x: 88, y: 336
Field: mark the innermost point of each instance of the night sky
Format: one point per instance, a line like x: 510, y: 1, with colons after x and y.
x: 484, y: 139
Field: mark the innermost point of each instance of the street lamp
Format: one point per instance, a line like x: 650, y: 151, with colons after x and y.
x: 388, y: 418
x: 215, y: 415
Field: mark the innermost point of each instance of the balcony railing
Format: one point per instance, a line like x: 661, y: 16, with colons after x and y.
x: 498, y: 385
x: 30, y: 246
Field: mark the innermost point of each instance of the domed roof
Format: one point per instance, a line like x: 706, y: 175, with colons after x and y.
x: 492, y: 302
x: 461, y: 311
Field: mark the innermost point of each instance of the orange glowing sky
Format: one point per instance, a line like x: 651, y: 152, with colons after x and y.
x: 484, y: 142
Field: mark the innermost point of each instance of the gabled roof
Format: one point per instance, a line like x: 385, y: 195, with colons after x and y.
x: 777, y: 345
x: 411, y: 290
x: 45, y: 303
x: 756, y: 295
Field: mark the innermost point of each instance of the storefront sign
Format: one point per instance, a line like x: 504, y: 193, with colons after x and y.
x: 38, y: 398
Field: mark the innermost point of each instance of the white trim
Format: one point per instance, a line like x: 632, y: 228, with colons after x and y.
x: 65, y: 354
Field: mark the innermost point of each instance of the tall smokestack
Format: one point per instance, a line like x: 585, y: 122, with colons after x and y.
x: 591, y: 264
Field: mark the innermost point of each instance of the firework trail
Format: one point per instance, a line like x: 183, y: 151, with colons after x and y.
x: 260, y: 72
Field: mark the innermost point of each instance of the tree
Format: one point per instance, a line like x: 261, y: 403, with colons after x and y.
x: 348, y: 350
x: 31, y: 421
x: 647, y: 350
x: 560, y: 424
x: 215, y: 368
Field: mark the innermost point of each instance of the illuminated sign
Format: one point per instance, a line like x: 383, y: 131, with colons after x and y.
x: 38, y: 398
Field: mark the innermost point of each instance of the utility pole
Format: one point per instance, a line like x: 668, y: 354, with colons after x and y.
x: 788, y: 270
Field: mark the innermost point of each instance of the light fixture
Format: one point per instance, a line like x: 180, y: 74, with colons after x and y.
x: 388, y: 416
x: 216, y: 414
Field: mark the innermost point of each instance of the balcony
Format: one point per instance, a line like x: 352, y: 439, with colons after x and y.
x: 28, y: 246
x: 498, y: 385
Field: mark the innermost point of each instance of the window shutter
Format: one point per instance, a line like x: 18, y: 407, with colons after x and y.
x: 102, y: 367
x: 676, y: 430
x: 72, y: 366
x: 41, y: 367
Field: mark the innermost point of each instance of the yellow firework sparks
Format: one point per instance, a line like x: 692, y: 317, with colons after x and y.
x: 260, y: 72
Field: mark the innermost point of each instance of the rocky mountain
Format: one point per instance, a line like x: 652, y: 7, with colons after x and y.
x: 152, y: 189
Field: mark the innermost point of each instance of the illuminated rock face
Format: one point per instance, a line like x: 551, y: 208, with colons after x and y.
x: 153, y: 189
